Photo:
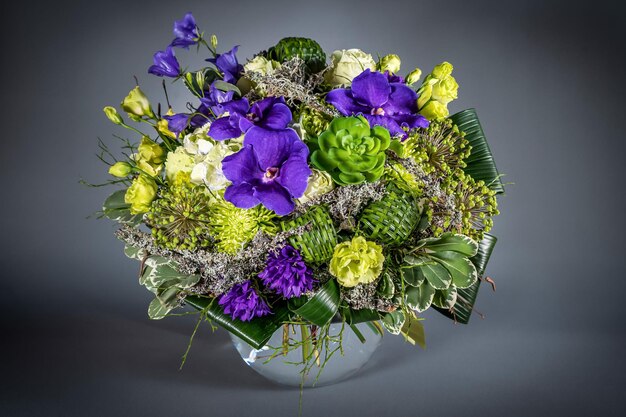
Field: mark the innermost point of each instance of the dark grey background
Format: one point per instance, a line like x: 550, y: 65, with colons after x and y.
x: 548, y: 81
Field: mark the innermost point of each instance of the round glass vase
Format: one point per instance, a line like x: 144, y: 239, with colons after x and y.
x: 309, y: 356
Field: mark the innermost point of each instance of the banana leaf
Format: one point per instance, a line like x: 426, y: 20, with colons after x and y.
x: 256, y: 332
x: 480, y: 163
x: 462, y: 309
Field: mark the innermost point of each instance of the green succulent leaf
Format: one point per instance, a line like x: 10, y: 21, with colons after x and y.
x: 394, y: 321
x: 323, y: 306
x: 256, y: 332
x: 420, y: 298
x: 480, y: 163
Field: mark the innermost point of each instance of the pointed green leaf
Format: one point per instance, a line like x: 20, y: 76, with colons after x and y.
x: 322, y: 307
x: 420, y: 298
x: 480, y: 163
x: 256, y: 332
x: 359, y: 316
x: 224, y: 86
x: 463, y: 271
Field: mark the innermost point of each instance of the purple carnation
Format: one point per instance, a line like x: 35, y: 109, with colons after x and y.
x: 287, y: 274
x: 242, y: 302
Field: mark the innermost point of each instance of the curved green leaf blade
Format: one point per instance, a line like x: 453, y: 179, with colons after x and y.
x: 359, y: 316
x: 462, y: 244
x: 256, y: 332
x: 480, y: 163
x: 484, y: 253
x: 323, y: 306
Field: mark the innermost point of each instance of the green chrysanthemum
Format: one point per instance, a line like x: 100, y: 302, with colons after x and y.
x: 179, y: 217
x: 314, y: 122
x: 350, y: 151
x: 233, y: 227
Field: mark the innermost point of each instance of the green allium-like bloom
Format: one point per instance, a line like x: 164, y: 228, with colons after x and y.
x: 357, y: 262
x: 233, y: 227
x: 179, y: 219
x: 350, y: 151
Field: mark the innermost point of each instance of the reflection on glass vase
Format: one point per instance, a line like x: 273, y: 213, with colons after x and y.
x: 311, y: 356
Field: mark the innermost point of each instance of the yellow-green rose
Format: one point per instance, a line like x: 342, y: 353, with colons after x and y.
x: 438, y: 89
x: 390, y: 63
x: 357, y: 262
x: 136, y: 104
x: 347, y: 64
x: 140, y: 194
x: 434, y: 110
x: 261, y: 65
x: 120, y: 169
x: 320, y: 183
x: 178, y: 161
x: 149, y: 157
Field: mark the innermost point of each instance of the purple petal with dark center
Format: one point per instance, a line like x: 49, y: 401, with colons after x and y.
x: 371, y: 88
x: 274, y: 197
x: 222, y: 129
x: 271, y: 147
x: 242, y: 166
x: 241, y: 195
x: 401, y: 100
x: 345, y: 103
x: 228, y: 64
x: 237, y: 106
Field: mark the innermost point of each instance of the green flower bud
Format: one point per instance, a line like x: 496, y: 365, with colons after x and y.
x: 357, y: 262
x: 214, y: 42
x: 140, y: 194
x: 120, y: 169
x: 113, y: 115
x: 390, y: 63
x: 136, y: 103
x: 350, y: 151
x: 413, y: 76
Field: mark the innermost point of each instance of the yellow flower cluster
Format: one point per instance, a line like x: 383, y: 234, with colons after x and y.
x: 438, y: 89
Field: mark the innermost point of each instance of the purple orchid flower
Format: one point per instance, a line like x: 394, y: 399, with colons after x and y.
x: 165, y: 64
x: 392, y: 105
x: 270, y: 113
x: 229, y: 66
x: 177, y: 122
x: 186, y: 32
x: 242, y: 302
x: 270, y: 169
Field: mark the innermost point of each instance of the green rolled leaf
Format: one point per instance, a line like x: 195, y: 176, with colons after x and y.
x: 256, y: 332
x: 386, y: 287
x: 480, y: 163
x: 322, y: 307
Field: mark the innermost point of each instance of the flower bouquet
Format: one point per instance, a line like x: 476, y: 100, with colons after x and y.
x: 300, y: 192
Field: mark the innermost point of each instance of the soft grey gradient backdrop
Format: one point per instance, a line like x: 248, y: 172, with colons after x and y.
x: 547, y: 80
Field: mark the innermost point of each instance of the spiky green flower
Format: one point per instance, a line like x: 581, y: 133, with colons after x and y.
x: 179, y: 218
x: 440, y: 147
x: 233, y: 227
x: 475, y: 202
x: 314, y: 122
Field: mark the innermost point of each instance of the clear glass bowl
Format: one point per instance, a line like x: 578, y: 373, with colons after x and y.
x: 336, y: 362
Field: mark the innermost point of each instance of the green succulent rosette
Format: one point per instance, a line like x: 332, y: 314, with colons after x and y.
x: 351, y: 151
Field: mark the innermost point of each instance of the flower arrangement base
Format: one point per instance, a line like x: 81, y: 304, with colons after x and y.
x: 342, y: 355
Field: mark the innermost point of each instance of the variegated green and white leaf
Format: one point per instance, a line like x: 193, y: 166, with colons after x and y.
x: 419, y: 298
x: 452, y: 242
x: 436, y: 275
x: 461, y: 269
x: 412, y: 275
x: 156, y: 310
x: 393, y: 321
x: 445, y: 298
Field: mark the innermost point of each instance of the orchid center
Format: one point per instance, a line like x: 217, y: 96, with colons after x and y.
x: 252, y: 117
x: 271, y: 173
x: 378, y: 111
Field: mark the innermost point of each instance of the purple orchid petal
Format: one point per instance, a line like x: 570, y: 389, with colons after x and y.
x: 411, y: 120
x: 371, y: 88
x: 242, y: 166
x: 387, y: 122
x: 401, y: 100
x: 393, y: 78
x: 186, y: 32
x: 271, y: 147
x: 165, y: 64
x: 177, y: 122
x: 241, y: 195
x: 240, y: 106
x: 222, y: 129
x: 277, y: 117
x: 344, y: 102
x: 275, y: 197
x: 294, y: 176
